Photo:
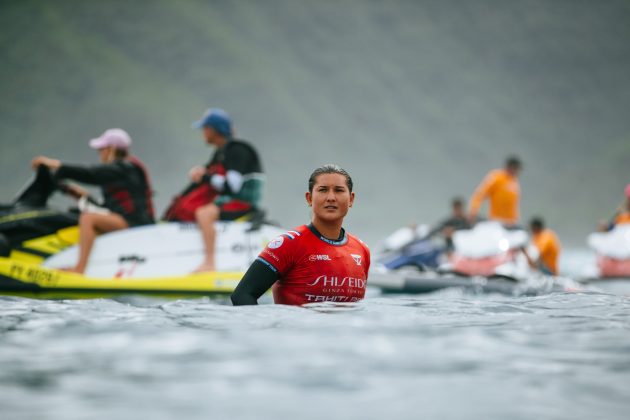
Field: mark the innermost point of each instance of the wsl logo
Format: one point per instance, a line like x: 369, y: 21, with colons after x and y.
x: 320, y: 257
x: 356, y: 258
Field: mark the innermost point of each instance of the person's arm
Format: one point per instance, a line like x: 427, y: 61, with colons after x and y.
x: 257, y: 280
x: 437, y: 229
x: 230, y: 183
x: 528, y: 257
x: 480, y: 194
x: 95, y: 175
x: 537, y: 263
x: 615, y: 220
x: 75, y: 190
x: 240, y: 160
x: 52, y: 164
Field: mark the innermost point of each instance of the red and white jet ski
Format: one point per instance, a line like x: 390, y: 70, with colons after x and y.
x: 489, y: 249
x: 613, y: 252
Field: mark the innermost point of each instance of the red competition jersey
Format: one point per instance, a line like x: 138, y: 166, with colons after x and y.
x: 312, y: 268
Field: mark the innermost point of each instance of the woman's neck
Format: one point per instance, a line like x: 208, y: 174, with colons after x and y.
x: 330, y: 230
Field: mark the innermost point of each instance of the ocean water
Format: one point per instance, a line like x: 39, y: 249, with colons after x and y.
x: 446, y: 355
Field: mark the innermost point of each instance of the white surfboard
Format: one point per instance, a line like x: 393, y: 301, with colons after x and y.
x: 168, y: 249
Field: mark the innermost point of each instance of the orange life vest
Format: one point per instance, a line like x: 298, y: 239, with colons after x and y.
x: 548, y: 247
x: 623, y: 218
x: 503, y: 192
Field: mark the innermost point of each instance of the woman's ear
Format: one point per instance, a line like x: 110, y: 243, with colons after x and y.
x: 351, y: 199
x: 309, y: 199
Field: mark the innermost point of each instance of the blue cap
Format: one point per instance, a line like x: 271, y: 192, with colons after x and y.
x: 217, y: 119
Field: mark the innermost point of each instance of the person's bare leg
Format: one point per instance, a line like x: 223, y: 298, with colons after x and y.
x: 206, y: 217
x: 89, y: 225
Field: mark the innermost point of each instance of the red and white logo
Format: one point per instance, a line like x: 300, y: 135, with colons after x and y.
x: 276, y: 243
x: 320, y: 257
x: 356, y: 258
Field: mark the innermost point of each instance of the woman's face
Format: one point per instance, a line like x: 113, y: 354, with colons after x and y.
x: 106, y: 154
x: 331, y: 199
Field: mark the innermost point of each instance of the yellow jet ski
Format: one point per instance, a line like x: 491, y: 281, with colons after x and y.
x: 37, y: 243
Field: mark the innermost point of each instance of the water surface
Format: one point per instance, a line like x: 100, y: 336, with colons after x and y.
x: 446, y: 355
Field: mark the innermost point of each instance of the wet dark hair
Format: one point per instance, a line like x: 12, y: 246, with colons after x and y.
x: 328, y: 169
x: 121, y: 153
x: 537, y: 223
x: 513, y: 162
x: 457, y: 202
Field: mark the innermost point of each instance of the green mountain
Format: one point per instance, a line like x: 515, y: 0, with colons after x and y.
x: 417, y: 99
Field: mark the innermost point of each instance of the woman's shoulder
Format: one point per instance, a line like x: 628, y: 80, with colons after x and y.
x: 121, y: 164
x: 292, y: 237
x: 296, y: 233
x: 238, y: 146
x: 354, y: 240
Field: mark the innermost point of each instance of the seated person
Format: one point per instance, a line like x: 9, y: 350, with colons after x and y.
x: 546, y: 242
x: 125, y: 187
x: 234, y: 171
x: 456, y: 221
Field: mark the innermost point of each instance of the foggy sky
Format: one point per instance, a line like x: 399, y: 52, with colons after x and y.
x: 417, y: 99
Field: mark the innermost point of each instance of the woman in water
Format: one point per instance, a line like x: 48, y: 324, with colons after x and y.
x: 318, y: 262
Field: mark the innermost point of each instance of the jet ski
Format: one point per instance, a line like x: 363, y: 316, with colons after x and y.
x: 486, y: 259
x: 40, y: 242
x: 488, y: 249
x: 412, y: 281
x: 609, y: 269
x: 613, y: 252
x: 412, y: 247
x: 27, y: 223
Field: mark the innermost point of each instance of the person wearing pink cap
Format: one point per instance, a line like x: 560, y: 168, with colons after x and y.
x: 125, y: 186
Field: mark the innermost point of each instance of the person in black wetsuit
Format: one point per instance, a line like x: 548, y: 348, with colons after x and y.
x: 234, y: 172
x: 125, y: 186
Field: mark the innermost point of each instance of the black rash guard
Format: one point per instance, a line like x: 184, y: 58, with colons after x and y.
x: 238, y: 161
x: 257, y: 280
x: 457, y: 223
x: 124, y: 184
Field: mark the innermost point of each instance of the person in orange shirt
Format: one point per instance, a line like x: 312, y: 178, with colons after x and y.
x: 502, y: 189
x: 548, y: 245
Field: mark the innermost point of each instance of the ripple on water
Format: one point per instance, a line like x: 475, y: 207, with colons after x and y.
x: 446, y: 355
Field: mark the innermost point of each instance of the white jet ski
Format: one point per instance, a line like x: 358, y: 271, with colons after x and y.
x: 486, y: 259
x: 613, y: 252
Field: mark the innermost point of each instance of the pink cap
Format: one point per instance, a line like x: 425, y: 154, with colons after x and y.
x: 116, y: 137
x: 628, y: 190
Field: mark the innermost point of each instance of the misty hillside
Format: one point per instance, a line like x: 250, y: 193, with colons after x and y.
x: 417, y: 99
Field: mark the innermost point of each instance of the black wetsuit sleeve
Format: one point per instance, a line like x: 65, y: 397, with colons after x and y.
x: 256, y: 281
x: 95, y: 175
